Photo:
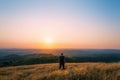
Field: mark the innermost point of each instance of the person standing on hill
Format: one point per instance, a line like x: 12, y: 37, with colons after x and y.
x: 61, y: 61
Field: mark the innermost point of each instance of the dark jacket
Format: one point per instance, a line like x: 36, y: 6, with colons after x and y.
x: 61, y: 59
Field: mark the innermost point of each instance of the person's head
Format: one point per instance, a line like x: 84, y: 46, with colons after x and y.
x: 61, y: 54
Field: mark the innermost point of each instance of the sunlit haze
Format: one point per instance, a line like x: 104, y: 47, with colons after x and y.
x: 60, y: 24
x: 48, y: 40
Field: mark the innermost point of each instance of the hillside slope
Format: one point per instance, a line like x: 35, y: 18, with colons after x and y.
x: 73, y: 71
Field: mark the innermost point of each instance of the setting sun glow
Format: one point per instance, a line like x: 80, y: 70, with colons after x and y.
x: 48, y: 40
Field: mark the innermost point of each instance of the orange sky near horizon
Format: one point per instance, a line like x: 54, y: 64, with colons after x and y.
x: 58, y: 46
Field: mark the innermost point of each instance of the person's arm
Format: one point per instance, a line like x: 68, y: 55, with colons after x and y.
x: 64, y: 59
x: 58, y: 59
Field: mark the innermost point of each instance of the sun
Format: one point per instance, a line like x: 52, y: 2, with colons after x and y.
x: 49, y: 40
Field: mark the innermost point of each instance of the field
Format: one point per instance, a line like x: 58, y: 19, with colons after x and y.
x: 73, y: 71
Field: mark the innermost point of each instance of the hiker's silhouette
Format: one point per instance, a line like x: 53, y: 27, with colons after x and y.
x: 61, y: 61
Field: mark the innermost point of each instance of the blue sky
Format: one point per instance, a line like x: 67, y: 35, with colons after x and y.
x: 96, y: 20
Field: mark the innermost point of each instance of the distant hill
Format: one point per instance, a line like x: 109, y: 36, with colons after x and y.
x: 16, y: 57
x: 67, y: 52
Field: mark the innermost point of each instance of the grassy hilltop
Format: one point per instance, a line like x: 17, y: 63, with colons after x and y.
x: 73, y: 71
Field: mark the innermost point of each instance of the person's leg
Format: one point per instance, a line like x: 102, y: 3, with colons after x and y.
x: 63, y: 65
x: 59, y: 65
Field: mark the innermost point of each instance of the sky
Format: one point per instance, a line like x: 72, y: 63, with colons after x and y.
x: 60, y: 24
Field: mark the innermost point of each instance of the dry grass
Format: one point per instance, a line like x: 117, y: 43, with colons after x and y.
x: 73, y: 71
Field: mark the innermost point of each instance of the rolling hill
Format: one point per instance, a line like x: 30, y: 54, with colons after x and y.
x: 73, y: 71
